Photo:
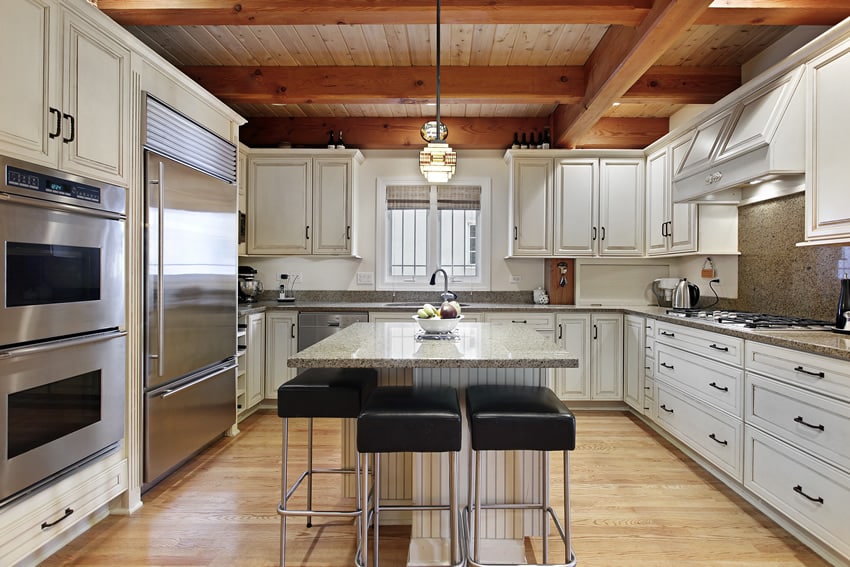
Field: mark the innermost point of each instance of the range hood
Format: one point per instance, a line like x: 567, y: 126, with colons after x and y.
x: 751, y: 149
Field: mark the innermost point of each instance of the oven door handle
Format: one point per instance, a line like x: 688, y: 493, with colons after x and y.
x: 53, y: 205
x: 60, y: 344
x: 220, y: 370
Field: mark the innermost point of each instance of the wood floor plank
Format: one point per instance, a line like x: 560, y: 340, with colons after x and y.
x: 636, y: 501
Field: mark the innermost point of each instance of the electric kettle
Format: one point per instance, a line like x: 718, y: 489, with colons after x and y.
x: 685, y: 295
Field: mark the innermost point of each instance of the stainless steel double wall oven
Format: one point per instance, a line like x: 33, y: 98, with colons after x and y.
x: 62, y: 337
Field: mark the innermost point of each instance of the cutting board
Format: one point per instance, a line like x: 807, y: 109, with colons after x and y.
x: 558, y: 294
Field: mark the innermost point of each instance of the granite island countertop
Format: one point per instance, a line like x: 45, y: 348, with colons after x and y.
x: 397, y: 345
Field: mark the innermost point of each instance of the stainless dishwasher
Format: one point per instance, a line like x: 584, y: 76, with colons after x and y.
x: 314, y: 326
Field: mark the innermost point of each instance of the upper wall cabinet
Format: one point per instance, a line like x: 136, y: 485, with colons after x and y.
x: 827, y: 143
x: 576, y: 206
x: 671, y: 228
x: 64, y: 99
x: 300, y: 202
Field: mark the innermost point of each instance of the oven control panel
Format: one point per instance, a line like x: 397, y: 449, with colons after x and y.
x: 42, y: 183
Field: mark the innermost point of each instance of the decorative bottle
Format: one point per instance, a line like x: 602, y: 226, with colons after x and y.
x: 524, y: 144
x: 546, y: 142
x: 515, y: 144
x: 340, y: 145
x: 331, y: 143
x: 843, y: 304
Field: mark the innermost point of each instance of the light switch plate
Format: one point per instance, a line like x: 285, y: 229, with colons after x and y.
x: 516, y: 279
x: 365, y: 278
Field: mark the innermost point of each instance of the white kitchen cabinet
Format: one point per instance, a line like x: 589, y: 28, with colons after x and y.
x: 242, y: 196
x: 301, y: 203
x: 251, y: 360
x: 281, y: 343
x: 55, y: 513
x: 599, y: 207
x: 597, y: 341
x: 827, y: 140
x: 634, y: 360
x: 531, y: 207
x: 576, y: 204
x: 671, y: 228
x: 64, y: 100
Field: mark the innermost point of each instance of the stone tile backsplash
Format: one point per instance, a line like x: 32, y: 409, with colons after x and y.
x: 775, y: 275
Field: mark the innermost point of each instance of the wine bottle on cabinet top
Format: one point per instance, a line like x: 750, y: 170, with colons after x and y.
x: 515, y: 144
x: 331, y: 143
x: 524, y: 143
x: 340, y: 145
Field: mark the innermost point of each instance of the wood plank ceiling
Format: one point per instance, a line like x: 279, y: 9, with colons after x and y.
x: 597, y: 73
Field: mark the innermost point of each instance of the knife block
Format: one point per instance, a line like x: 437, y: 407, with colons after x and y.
x: 560, y: 295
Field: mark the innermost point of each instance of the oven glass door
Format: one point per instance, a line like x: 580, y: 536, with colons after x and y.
x: 64, y: 402
x: 62, y: 271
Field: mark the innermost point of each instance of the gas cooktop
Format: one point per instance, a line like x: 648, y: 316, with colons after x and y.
x: 754, y: 320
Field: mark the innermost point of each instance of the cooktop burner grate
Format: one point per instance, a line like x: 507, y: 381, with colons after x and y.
x: 754, y: 320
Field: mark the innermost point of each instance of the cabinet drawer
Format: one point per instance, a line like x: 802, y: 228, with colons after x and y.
x: 649, y: 366
x: 713, y: 345
x: 25, y: 525
x: 808, y: 421
x: 649, y: 389
x: 537, y: 321
x: 714, y: 435
x: 818, y: 373
x: 650, y: 327
x: 808, y: 491
x: 718, y: 384
x: 650, y: 347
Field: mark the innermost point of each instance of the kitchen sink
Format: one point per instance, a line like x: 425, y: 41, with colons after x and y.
x: 417, y: 304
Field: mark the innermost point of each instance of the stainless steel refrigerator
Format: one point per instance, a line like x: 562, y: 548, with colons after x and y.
x: 190, y: 300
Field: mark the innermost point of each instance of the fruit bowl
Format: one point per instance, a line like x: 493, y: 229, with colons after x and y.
x: 435, y: 325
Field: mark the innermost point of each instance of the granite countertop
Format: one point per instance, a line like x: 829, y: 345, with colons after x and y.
x: 395, y: 345
x: 823, y: 343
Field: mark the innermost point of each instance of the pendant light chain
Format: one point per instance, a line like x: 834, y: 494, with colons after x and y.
x: 438, y: 71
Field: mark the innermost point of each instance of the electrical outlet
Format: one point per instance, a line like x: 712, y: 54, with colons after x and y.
x: 515, y: 279
x: 365, y: 278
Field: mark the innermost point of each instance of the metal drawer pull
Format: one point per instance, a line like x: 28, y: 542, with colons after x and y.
x: 665, y: 365
x: 716, y: 440
x: 799, y: 490
x: 809, y: 372
x: 664, y: 407
x: 666, y: 334
x: 799, y: 419
x: 721, y: 388
x: 68, y: 512
x: 721, y: 348
x: 523, y: 321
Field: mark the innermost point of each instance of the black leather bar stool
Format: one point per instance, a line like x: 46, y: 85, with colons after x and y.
x: 319, y: 392
x: 401, y: 419
x: 519, y: 418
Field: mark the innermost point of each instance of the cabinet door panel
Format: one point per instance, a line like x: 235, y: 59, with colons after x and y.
x: 606, y: 359
x: 575, y: 206
x: 255, y: 372
x: 657, y: 182
x: 574, y: 335
x: 621, y: 202
x: 27, y: 55
x: 281, y: 341
x: 634, y: 359
x: 531, y: 234
x: 331, y: 229
x: 279, y: 206
x: 96, y: 79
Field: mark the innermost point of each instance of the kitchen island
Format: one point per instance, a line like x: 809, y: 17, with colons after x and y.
x: 476, y: 353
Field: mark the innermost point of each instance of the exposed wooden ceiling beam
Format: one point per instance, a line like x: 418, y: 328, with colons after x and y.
x: 464, y: 133
x: 619, y: 60
x: 459, y: 85
x: 383, y: 12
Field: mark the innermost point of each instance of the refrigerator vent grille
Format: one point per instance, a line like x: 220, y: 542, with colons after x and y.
x: 169, y: 133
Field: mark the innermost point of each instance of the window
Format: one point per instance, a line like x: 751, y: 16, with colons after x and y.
x: 425, y: 227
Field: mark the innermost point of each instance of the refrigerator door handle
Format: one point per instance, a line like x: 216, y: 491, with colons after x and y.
x: 160, y: 318
x: 171, y: 391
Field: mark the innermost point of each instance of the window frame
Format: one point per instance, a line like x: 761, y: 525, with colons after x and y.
x: 383, y: 281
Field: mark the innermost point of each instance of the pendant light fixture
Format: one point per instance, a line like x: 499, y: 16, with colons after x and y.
x: 437, y: 161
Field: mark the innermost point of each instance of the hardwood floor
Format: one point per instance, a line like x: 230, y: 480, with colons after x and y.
x: 636, y: 501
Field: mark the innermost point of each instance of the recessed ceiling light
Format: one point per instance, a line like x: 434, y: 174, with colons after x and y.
x: 616, y: 104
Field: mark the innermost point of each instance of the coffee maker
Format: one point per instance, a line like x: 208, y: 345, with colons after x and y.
x: 249, y: 286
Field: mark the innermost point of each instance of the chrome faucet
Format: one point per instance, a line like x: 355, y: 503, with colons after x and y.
x: 446, y: 295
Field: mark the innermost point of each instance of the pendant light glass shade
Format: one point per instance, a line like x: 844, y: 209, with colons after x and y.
x: 437, y: 161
